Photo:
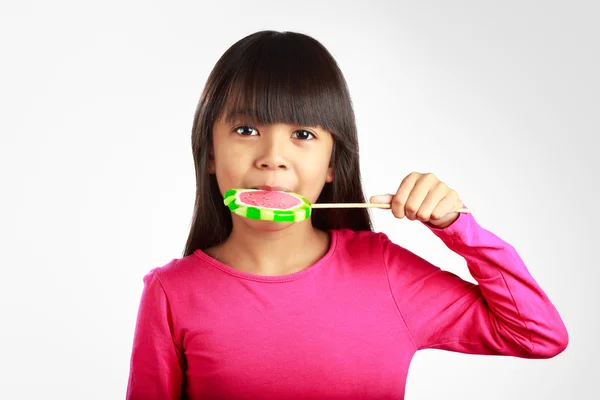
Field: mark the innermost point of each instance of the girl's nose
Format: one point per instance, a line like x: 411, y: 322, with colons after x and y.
x: 272, y: 162
x: 272, y: 155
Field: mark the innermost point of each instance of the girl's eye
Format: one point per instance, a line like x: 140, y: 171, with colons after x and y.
x: 245, y: 130
x: 248, y: 131
x: 303, y: 135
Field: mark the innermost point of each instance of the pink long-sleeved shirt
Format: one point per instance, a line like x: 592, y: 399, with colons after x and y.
x: 347, y: 327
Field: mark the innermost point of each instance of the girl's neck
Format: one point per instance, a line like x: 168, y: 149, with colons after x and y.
x: 273, y: 253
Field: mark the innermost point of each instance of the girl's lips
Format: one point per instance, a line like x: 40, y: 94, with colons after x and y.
x: 271, y: 188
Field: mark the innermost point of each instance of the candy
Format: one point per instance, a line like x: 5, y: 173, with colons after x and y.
x: 268, y: 205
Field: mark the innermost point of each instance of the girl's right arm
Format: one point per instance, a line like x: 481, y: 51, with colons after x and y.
x: 156, y: 370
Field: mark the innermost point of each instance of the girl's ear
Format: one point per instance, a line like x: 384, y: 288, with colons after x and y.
x: 329, y: 177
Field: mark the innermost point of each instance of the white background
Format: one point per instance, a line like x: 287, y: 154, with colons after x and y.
x: 498, y: 99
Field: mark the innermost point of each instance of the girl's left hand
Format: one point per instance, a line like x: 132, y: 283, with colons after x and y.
x: 423, y: 197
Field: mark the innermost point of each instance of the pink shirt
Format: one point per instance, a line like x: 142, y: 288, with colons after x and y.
x: 347, y: 327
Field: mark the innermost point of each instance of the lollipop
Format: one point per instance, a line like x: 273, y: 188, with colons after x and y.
x: 279, y: 206
x: 268, y: 205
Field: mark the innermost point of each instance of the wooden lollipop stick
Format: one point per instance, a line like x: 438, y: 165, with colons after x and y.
x: 367, y: 205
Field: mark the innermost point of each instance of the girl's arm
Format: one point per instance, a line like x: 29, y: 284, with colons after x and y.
x: 506, y: 313
x: 156, y: 360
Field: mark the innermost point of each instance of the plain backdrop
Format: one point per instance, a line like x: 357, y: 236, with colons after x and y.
x: 498, y: 99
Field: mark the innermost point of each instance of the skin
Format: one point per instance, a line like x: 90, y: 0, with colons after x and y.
x: 297, y: 158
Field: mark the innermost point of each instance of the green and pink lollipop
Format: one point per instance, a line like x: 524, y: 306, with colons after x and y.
x: 268, y: 205
x: 279, y: 206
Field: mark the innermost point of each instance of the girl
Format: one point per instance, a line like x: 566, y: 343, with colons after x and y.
x: 324, y: 308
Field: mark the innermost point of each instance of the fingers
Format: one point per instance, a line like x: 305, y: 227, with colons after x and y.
x: 401, y: 197
x: 420, y: 197
x: 435, y: 201
x: 445, y: 206
x: 423, y: 198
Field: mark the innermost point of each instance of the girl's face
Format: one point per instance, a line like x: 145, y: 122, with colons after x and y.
x: 277, y: 156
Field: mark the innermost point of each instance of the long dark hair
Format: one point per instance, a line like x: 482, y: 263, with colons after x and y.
x: 278, y: 77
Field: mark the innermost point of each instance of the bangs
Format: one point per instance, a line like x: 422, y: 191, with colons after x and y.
x: 288, y: 79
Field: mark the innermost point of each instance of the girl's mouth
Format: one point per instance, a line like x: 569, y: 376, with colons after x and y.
x: 271, y: 188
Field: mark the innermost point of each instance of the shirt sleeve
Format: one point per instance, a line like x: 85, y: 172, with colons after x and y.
x: 505, y: 313
x: 156, y: 368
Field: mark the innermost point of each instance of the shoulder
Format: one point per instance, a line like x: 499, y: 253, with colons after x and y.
x: 351, y: 238
x: 377, y: 245
x: 357, y: 244
x: 175, y: 273
x: 368, y: 254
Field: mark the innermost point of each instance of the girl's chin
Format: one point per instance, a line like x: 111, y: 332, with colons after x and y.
x: 264, y: 226
x: 268, y: 226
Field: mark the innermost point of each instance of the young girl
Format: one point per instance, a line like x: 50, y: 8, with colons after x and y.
x: 324, y: 308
